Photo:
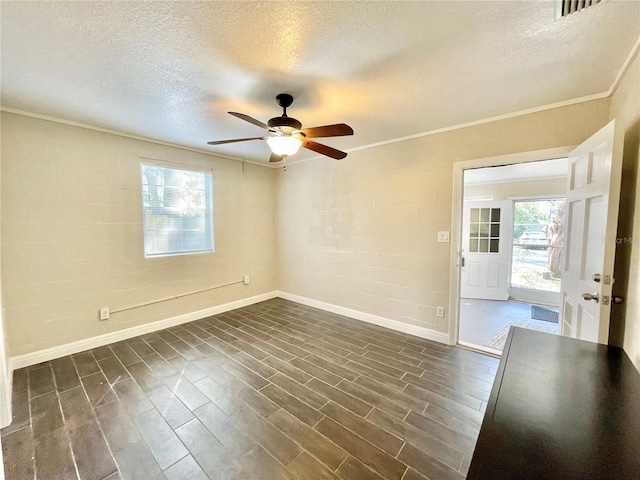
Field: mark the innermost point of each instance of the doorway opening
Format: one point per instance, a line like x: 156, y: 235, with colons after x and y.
x: 538, y: 232
x: 511, y: 243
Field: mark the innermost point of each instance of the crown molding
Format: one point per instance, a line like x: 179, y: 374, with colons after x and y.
x: 608, y: 93
x: 127, y: 135
x: 551, y: 106
x: 625, y: 67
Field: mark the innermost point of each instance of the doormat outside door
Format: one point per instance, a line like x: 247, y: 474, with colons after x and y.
x: 544, y: 313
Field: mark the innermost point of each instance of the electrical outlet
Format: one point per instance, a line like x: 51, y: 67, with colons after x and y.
x: 440, y: 312
x: 104, y: 313
x: 246, y: 279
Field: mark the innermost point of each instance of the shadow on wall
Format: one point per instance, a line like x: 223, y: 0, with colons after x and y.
x: 625, y: 229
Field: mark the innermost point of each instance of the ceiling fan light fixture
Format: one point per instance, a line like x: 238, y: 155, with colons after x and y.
x: 284, y: 145
x: 286, y: 135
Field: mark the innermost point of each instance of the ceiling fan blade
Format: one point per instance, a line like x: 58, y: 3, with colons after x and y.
x: 336, y: 130
x: 275, y: 158
x: 324, y: 149
x: 249, y: 119
x: 235, y: 140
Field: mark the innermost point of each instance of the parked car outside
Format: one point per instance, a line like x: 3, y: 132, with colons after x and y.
x: 534, y: 240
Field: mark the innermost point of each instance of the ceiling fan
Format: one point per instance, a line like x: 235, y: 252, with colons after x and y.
x: 287, y: 135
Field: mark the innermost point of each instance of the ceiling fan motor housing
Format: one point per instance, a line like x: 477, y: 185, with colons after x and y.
x: 285, y: 122
x: 287, y: 134
x: 285, y: 100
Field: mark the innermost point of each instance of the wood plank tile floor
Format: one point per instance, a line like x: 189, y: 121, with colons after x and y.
x: 275, y: 390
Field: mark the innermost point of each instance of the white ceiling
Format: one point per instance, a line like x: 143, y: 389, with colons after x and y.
x: 558, y: 167
x: 171, y: 70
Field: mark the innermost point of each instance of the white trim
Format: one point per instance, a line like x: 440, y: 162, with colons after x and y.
x: 128, y: 135
x: 47, y: 354
x: 564, y: 103
x: 625, y: 67
x: 456, y: 217
x: 52, y: 353
x: 517, y: 180
x: 6, y: 380
x: 479, y: 198
x: 6, y: 390
x: 368, y: 317
x: 533, y: 198
x: 481, y: 349
x: 536, y: 297
x: 506, y: 116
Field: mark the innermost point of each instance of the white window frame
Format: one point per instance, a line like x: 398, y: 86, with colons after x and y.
x: 209, y: 209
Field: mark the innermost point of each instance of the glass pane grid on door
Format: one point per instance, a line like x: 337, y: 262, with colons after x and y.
x: 484, y: 230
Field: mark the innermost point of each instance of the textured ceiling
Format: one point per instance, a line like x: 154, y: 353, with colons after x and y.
x: 170, y: 71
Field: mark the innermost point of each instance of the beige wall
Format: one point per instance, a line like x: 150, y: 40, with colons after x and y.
x: 625, y: 320
x: 72, y: 238
x: 522, y: 188
x: 361, y: 233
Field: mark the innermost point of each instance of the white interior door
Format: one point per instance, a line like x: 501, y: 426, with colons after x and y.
x: 486, y: 249
x: 593, y: 193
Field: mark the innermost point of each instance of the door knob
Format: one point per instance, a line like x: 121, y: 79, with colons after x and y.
x: 591, y: 296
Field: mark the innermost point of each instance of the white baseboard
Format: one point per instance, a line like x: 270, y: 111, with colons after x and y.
x: 6, y: 390
x: 369, y: 318
x: 6, y: 385
x: 52, y: 353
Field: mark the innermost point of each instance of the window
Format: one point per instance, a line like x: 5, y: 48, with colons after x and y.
x: 484, y: 234
x: 177, y: 211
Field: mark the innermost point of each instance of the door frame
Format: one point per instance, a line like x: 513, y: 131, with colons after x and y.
x: 456, y: 217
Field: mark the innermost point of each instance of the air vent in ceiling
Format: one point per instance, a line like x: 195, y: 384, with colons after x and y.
x: 567, y: 7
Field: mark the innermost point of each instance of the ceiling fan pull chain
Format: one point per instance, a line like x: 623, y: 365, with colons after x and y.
x: 284, y: 163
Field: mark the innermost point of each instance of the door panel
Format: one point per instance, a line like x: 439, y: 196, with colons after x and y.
x: 567, y: 314
x: 591, y: 225
x: 493, y: 276
x: 486, y: 241
x: 473, y: 279
x: 573, y: 240
x: 594, y: 238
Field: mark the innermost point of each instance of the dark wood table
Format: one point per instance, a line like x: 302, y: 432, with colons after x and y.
x: 560, y: 409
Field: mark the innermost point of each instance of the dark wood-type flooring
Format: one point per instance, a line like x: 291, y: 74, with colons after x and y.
x: 275, y: 390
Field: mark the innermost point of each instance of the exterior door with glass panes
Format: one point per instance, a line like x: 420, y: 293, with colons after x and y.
x: 485, y: 250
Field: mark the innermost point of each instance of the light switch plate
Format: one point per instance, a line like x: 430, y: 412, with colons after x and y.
x: 443, y: 237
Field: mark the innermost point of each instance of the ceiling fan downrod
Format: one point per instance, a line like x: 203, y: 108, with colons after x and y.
x: 284, y: 100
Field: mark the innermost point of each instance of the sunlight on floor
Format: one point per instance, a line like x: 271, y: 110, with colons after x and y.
x: 484, y: 323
